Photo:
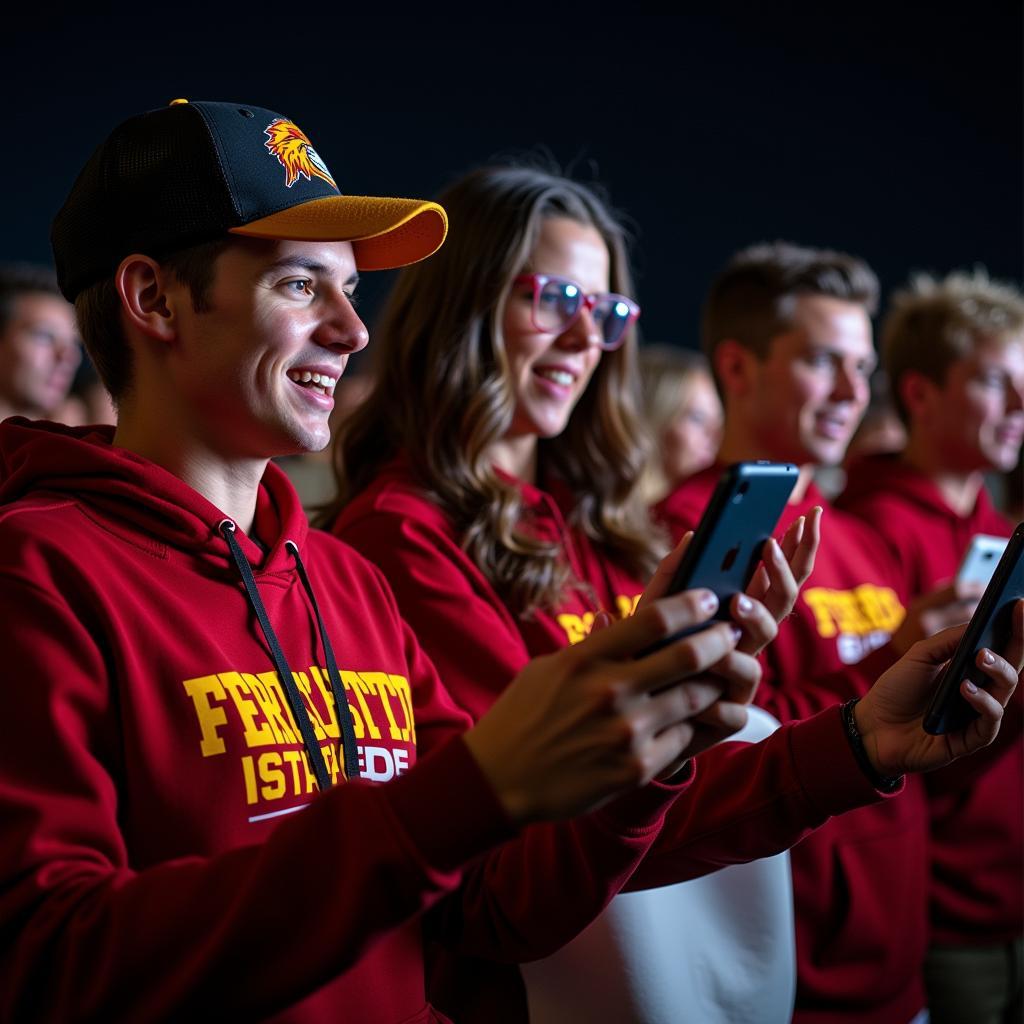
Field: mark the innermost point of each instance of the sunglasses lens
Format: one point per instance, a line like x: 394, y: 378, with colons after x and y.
x: 612, y: 315
x: 557, y: 303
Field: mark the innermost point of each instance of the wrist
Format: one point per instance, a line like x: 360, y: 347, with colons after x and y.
x: 857, y: 725
x: 511, y: 794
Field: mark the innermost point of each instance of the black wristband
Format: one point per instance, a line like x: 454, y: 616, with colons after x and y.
x: 884, y: 784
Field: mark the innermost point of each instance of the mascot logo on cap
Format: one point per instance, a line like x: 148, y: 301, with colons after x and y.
x: 295, y: 153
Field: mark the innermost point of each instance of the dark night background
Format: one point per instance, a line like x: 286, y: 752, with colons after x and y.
x: 893, y: 132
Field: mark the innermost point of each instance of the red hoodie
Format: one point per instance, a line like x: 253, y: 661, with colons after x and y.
x: 859, y: 882
x: 745, y: 801
x: 977, y: 822
x: 165, y: 855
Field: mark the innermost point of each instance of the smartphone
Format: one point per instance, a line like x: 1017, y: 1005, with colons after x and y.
x: 980, y: 559
x: 990, y: 627
x: 725, y: 549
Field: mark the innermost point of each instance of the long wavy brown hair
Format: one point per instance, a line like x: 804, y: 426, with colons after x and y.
x: 442, y: 392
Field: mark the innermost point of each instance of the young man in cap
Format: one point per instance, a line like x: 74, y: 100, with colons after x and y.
x: 954, y: 352
x: 171, y: 627
x: 788, y: 334
x: 39, y: 346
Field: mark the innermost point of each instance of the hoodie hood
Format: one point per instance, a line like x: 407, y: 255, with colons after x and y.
x: 44, y: 460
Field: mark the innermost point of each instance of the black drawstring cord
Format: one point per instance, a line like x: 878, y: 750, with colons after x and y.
x: 316, y: 759
x: 348, y: 732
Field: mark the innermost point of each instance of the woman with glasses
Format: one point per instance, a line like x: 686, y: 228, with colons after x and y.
x: 491, y: 472
x: 497, y: 455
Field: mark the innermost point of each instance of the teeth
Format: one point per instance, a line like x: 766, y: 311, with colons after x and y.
x: 558, y: 376
x: 321, y: 382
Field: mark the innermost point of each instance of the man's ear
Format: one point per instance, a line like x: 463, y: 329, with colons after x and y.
x: 734, y: 368
x: 917, y: 392
x: 146, y: 300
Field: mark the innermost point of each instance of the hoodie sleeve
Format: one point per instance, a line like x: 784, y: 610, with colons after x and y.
x: 752, y: 800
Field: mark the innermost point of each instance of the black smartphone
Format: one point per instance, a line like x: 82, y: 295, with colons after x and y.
x: 990, y: 627
x: 725, y: 549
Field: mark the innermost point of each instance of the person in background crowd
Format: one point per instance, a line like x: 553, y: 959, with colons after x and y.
x: 683, y: 414
x: 39, y: 346
x: 954, y: 350
x: 788, y: 333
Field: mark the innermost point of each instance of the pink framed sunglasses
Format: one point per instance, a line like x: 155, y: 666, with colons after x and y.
x: 558, y: 302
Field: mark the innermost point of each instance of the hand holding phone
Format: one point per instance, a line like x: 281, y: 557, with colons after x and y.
x: 740, y: 517
x: 990, y: 627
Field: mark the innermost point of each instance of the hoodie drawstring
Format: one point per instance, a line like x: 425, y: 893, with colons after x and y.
x: 348, y: 737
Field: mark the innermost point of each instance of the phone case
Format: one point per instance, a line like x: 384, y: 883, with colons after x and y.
x: 725, y: 549
x: 980, y: 559
x: 990, y: 626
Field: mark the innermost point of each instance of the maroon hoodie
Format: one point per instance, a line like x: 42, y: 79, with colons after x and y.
x: 746, y: 800
x: 977, y: 821
x: 859, y: 882
x: 165, y: 853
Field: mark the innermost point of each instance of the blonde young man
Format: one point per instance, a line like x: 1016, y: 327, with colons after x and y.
x: 954, y: 351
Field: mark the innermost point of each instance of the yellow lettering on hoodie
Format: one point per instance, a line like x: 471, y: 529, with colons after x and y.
x: 248, y: 711
x: 401, y: 685
x: 209, y: 717
x: 379, y: 683
x: 263, y: 689
x: 331, y: 725
x: 357, y: 687
x: 858, y: 612
x: 302, y: 685
x: 303, y: 780
x: 269, y: 766
x: 576, y: 626
x: 249, y: 774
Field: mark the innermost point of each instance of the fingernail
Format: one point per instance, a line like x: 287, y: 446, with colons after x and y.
x: 709, y: 603
x: 988, y: 658
x: 736, y: 632
x: 744, y: 605
x: 971, y: 688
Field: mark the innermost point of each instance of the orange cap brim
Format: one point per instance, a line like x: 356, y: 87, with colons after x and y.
x: 385, y: 233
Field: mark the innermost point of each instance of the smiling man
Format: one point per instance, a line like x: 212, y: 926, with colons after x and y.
x: 186, y: 760
x: 788, y: 333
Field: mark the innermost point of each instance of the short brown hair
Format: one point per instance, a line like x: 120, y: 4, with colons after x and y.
x: 98, y: 311
x: 751, y: 300
x: 933, y: 323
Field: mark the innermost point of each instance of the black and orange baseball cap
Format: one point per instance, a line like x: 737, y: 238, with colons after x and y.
x: 191, y: 172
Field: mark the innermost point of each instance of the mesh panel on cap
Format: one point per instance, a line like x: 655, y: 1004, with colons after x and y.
x: 154, y: 186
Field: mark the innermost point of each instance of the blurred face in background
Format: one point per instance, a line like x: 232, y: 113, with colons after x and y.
x: 39, y: 354
x: 689, y: 442
x: 804, y: 400
x: 976, y: 417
